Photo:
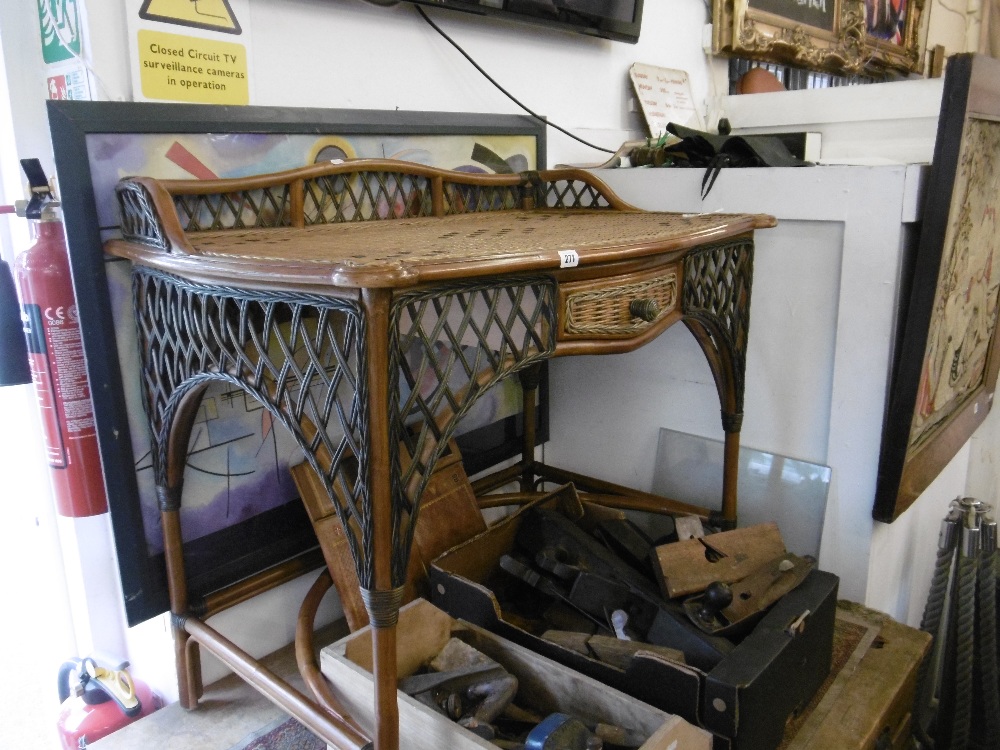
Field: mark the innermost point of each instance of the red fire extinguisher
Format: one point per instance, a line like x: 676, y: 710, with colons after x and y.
x: 97, y: 701
x: 55, y: 351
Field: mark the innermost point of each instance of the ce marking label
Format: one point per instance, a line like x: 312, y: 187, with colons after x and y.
x: 569, y: 258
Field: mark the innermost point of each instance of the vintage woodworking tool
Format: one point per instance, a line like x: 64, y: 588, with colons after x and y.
x: 469, y: 687
x: 549, y: 529
x: 663, y: 623
x: 598, y: 595
x: 557, y: 561
x: 562, y: 732
x: 560, y: 616
x: 733, y: 609
x: 628, y: 542
x: 688, y: 567
x: 595, y: 594
x: 613, y: 651
x: 534, y: 579
x: 707, y: 607
x: 452, y: 679
x: 701, y: 650
x: 492, y: 697
x: 445, y: 692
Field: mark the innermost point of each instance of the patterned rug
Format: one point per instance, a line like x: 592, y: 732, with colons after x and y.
x: 284, y: 734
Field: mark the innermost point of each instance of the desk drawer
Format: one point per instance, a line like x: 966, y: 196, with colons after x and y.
x: 619, y: 307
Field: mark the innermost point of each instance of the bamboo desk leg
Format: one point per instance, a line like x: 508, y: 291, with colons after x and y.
x: 381, y: 613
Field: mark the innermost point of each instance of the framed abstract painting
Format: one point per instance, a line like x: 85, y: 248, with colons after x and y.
x: 241, y: 513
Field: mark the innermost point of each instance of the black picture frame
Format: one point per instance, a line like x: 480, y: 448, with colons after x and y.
x: 226, y: 556
x: 946, y: 364
x: 580, y: 16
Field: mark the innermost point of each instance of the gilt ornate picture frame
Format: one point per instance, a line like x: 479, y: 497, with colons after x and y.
x: 826, y: 35
x: 949, y: 355
x: 836, y: 36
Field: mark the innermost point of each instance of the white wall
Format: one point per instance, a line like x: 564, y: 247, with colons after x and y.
x: 954, y: 25
x: 347, y: 53
x: 578, y: 82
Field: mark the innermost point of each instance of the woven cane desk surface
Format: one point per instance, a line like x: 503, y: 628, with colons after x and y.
x: 402, y: 252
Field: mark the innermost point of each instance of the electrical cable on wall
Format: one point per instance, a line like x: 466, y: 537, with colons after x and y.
x: 502, y: 89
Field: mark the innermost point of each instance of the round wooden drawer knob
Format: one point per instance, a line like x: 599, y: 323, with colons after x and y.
x: 645, y: 309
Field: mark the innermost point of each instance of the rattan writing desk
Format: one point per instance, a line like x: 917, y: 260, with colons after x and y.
x: 367, y: 305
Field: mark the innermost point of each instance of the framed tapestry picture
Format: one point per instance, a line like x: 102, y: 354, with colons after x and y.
x: 241, y: 512
x: 949, y: 353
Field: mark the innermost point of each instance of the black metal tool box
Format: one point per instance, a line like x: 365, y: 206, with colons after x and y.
x: 744, y: 700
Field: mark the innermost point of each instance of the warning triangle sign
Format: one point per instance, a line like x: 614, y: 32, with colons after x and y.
x: 213, y: 15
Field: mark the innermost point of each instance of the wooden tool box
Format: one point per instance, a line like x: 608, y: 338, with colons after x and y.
x: 424, y: 629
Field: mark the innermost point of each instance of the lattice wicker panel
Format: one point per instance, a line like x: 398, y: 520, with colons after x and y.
x: 450, y: 346
x: 366, y: 196
x: 299, y: 355
x: 467, y: 199
x: 139, y: 221
x: 717, y: 284
x: 570, y: 194
x: 245, y: 209
x: 607, y: 311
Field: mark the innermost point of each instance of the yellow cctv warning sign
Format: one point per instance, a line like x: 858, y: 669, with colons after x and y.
x: 213, y: 15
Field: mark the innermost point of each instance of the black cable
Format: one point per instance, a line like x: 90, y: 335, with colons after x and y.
x: 502, y: 89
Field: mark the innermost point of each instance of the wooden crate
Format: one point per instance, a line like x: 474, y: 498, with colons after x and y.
x: 869, y: 694
x: 424, y: 629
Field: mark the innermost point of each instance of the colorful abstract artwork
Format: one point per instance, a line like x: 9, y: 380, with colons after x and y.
x: 238, y: 460
x: 240, y: 509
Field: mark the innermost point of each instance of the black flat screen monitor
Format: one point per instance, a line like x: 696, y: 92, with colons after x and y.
x: 611, y: 19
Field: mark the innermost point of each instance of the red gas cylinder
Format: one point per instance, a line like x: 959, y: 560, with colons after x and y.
x: 59, y: 370
x: 100, y: 701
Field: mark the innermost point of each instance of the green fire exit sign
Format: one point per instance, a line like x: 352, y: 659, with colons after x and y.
x: 60, y: 27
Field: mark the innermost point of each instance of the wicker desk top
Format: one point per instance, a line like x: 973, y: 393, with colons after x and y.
x: 411, y: 250
x: 404, y: 252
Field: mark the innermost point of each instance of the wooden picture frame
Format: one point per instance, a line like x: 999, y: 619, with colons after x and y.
x: 97, y: 143
x: 892, y: 35
x: 947, y: 360
x: 827, y: 35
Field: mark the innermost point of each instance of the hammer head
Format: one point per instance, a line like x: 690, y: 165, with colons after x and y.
x: 562, y: 732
